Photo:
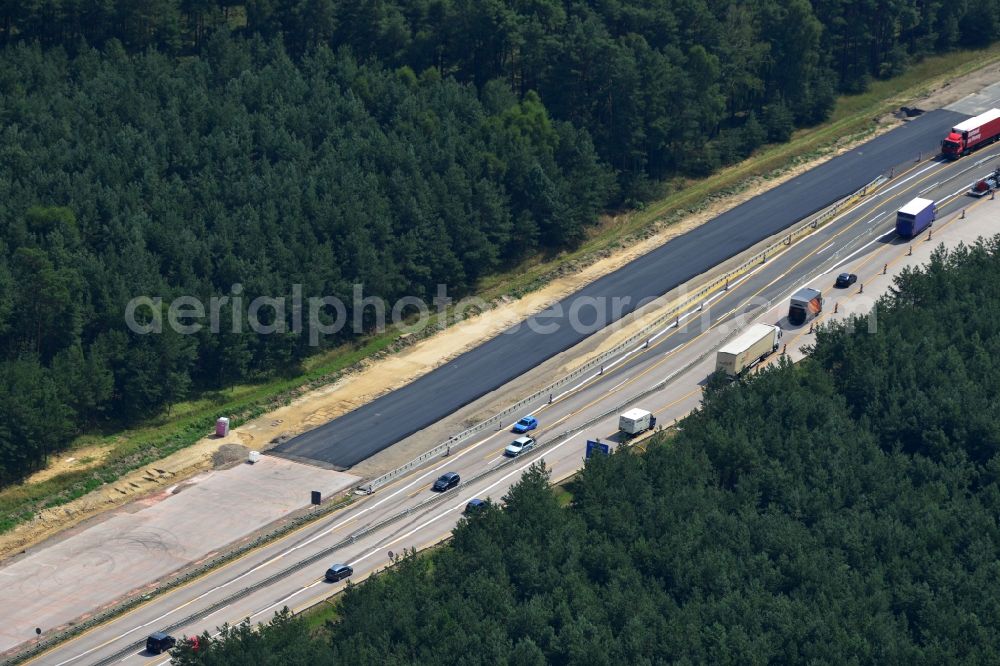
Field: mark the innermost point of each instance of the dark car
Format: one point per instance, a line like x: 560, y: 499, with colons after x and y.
x: 338, y: 572
x: 845, y: 280
x: 159, y: 642
x: 475, y: 505
x: 446, y: 482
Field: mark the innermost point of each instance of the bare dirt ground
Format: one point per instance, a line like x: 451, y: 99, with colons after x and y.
x: 952, y: 91
x: 380, y: 376
x: 374, y: 379
x: 81, y: 458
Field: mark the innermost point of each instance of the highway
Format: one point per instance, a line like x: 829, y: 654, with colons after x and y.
x: 289, y: 571
x: 359, y: 434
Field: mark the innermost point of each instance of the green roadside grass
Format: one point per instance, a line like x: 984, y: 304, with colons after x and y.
x: 853, y: 116
x: 189, y: 421
x: 564, y: 492
x: 186, y: 423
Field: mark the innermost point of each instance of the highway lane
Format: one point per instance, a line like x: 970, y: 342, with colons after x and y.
x: 363, y: 432
x: 671, y: 352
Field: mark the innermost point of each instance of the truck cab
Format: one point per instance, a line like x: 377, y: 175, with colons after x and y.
x: 972, y: 133
x: 953, y: 145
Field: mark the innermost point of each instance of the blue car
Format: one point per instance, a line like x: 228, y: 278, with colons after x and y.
x: 526, y: 424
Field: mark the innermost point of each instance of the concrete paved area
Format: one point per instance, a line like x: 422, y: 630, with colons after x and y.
x: 289, y: 571
x: 976, y: 103
x: 149, y: 539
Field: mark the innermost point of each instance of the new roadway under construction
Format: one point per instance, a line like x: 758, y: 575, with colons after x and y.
x: 359, y: 434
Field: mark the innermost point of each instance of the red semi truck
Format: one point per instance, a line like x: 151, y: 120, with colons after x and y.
x: 971, y: 134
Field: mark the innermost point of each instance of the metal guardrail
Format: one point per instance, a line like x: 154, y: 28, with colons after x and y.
x: 347, y: 541
x: 644, y: 334
x: 172, y: 583
x: 417, y: 508
x: 109, y: 614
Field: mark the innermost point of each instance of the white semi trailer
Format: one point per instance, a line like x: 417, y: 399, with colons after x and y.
x: 748, y: 349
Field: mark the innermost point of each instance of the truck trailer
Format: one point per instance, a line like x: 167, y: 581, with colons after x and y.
x: 914, y: 217
x: 806, y: 304
x: 971, y: 134
x: 635, y: 421
x: 750, y: 348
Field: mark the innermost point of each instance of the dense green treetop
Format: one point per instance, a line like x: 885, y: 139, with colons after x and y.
x: 170, y: 147
x: 125, y: 176
x: 839, y: 511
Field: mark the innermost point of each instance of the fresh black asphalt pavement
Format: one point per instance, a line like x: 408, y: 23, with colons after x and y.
x: 359, y: 434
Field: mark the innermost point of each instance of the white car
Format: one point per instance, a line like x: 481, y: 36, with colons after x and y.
x: 519, y: 446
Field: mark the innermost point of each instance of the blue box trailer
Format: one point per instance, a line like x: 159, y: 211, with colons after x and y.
x: 914, y: 217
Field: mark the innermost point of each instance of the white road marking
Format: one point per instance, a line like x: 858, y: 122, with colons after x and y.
x: 293, y: 594
x: 882, y: 193
x: 619, y: 385
x: 457, y: 506
x: 848, y: 257
x: 468, y: 449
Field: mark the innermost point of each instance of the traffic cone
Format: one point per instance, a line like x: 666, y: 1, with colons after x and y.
x: 885, y: 269
x: 862, y: 289
x: 930, y: 234
x: 784, y: 350
x: 910, y: 253
x: 963, y: 215
x: 810, y: 328
x: 836, y: 306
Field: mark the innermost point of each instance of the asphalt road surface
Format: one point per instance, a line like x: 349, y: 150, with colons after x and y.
x: 289, y: 571
x: 359, y: 434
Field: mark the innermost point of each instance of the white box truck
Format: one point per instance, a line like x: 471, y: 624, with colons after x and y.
x: 635, y: 421
x: 749, y: 348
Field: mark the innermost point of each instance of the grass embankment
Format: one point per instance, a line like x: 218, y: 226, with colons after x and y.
x: 186, y: 423
x: 852, y: 115
x: 190, y: 421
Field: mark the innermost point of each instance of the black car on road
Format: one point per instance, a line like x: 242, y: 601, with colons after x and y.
x: 446, y: 482
x: 338, y: 572
x: 845, y: 280
x: 159, y: 642
x: 475, y: 505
